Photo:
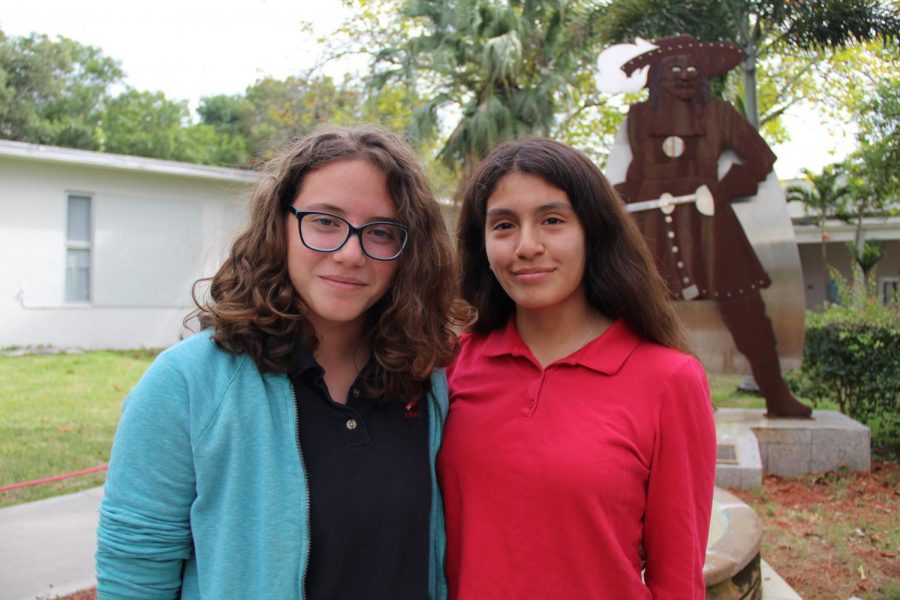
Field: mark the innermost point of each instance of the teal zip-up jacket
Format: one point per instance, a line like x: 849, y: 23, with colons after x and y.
x: 206, y: 494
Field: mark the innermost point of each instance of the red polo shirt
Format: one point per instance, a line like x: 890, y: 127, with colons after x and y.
x: 555, y: 479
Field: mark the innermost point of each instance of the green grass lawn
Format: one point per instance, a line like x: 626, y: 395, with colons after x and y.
x: 724, y: 392
x: 58, y: 414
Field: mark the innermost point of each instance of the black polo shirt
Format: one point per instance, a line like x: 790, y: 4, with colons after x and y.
x: 370, y: 491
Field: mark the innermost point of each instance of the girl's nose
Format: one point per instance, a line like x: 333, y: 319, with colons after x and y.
x: 351, y: 252
x: 530, y: 243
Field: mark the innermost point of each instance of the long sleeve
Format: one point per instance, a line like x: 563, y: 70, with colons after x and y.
x: 144, y: 535
x: 680, y: 488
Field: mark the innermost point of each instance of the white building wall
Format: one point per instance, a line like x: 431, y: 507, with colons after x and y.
x: 154, y: 234
x: 839, y: 257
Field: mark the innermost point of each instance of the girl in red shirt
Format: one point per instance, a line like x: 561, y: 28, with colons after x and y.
x: 579, y: 453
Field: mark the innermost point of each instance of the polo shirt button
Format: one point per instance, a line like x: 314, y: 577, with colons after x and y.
x: 351, y: 424
x: 355, y: 392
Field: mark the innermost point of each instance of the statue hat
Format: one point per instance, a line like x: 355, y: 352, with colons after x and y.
x: 712, y: 58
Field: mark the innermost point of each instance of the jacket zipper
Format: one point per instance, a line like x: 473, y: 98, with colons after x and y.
x: 437, y: 410
x: 305, y: 489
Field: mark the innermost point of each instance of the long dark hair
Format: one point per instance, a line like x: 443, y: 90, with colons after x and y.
x: 255, y: 309
x: 620, y: 278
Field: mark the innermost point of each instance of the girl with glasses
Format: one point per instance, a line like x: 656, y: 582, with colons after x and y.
x: 579, y: 452
x: 288, y: 449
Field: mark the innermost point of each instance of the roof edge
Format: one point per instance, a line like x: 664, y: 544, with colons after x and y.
x: 123, y: 162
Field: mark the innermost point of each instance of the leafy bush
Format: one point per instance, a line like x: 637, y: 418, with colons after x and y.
x: 852, y: 357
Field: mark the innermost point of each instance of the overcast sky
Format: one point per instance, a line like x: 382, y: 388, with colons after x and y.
x: 187, y: 48
x: 194, y: 48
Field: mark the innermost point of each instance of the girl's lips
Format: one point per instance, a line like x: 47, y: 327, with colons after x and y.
x: 531, y: 275
x: 346, y: 283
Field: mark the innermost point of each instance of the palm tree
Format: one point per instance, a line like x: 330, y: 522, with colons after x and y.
x: 866, y: 254
x: 826, y: 195
x: 498, y: 70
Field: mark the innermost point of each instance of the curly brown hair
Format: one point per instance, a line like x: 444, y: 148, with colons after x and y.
x: 620, y: 278
x: 254, y: 309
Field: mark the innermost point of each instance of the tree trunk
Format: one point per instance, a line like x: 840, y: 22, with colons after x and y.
x: 822, y: 225
x: 861, y: 287
x: 470, y: 161
x: 748, y: 67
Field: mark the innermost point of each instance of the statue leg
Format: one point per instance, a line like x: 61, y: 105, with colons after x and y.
x: 754, y: 337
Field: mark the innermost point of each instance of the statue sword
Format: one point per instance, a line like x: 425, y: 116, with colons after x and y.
x: 702, y: 200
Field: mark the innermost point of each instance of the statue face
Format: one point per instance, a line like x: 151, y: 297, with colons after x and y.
x: 679, y: 76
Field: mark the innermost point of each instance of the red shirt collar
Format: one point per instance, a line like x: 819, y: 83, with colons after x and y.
x: 605, y: 354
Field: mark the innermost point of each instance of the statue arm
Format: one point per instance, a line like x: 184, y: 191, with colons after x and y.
x: 742, y: 179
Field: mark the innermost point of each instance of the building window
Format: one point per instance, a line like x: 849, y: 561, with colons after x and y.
x: 78, y: 248
x: 889, y: 289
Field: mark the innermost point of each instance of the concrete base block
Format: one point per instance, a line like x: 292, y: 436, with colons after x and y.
x: 745, y: 471
x: 829, y: 441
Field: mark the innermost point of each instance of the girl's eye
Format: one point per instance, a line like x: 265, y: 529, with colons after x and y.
x: 384, y: 233
x: 503, y: 226
x: 323, y: 221
x: 692, y: 69
x: 553, y: 221
x: 676, y: 69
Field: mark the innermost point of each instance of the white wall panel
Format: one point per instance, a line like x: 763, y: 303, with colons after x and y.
x: 154, y: 235
x: 147, y: 251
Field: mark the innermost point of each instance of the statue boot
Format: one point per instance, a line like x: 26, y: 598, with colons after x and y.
x: 754, y: 337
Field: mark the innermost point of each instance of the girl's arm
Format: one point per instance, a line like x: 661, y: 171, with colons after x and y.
x: 144, y: 535
x: 680, y: 489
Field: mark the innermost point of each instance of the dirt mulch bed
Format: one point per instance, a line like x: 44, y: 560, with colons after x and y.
x: 833, y: 535
x: 83, y: 595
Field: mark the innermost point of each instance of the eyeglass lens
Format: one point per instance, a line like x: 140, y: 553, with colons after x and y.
x: 328, y: 233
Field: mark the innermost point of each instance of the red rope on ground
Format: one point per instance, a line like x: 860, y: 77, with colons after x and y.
x: 16, y: 486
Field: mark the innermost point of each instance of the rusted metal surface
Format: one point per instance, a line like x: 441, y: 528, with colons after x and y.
x: 681, y: 141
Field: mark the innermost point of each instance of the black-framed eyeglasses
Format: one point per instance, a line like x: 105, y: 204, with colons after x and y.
x: 325, y: 232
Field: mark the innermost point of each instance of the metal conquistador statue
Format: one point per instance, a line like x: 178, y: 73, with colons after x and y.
x: 676, y: 138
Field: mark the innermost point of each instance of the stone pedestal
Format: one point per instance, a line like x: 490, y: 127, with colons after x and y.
x: 739, y: 464
x: 829, y: 441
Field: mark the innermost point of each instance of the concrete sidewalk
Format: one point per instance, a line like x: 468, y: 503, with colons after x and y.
x: 47, y: 547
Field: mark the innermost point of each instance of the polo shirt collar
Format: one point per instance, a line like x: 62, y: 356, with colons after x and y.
x: 304, y: 364
x: 605, y: 354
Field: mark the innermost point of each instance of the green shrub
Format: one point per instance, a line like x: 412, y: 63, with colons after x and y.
x: 852, y: 357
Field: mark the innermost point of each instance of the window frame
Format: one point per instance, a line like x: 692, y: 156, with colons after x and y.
x: 79, y: 245
x: 884, y: 284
